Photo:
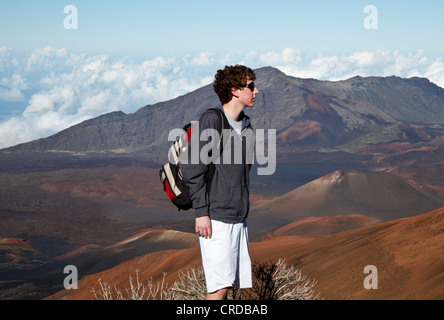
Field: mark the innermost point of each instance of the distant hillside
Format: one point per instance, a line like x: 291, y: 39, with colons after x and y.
x: 307, y: 114
x: 379, y: 195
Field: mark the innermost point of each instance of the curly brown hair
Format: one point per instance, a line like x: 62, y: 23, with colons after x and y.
x: 231, y: 77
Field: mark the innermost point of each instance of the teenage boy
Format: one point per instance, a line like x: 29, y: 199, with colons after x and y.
x: 222, y: 209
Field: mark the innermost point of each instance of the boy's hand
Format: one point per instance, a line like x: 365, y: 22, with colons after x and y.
x: 203, y: 226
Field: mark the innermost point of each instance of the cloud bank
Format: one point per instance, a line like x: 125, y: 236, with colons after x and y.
x: 51, y: 89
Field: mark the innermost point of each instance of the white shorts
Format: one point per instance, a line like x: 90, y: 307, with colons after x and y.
x: 225, y: 257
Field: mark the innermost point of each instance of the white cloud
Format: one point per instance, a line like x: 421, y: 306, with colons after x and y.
x: 203, y: 59
x: 288, y: 55
x: 45, y: 58
x: 39, y: 103
x: 59, y: 89
x: 6, y: 60
x: 341, y: 67
x: 68, y: 88
x: 11, y: 89
x: 14, y: 131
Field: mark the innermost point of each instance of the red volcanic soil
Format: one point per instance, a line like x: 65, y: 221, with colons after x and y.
x: 156, y: 236
x: 16, y: 242
x: 83, y: 250
x: 316, y: 101
x: 325, y: 225
x: 299, y: 131
x: 408, y: 254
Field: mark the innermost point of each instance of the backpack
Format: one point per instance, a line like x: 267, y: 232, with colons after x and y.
x: 171, y: 175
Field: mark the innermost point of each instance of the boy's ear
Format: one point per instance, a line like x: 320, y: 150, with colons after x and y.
x: 234, y: 92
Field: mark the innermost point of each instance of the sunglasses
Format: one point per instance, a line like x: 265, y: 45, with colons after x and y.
x: 250, y: 86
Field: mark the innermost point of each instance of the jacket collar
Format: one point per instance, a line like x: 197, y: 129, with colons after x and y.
x: 245, y: 119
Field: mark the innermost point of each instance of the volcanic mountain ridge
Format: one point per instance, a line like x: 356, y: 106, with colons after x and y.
x: 307, y: 114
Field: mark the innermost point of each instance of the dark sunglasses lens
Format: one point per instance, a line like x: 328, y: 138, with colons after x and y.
x: 251, y: 86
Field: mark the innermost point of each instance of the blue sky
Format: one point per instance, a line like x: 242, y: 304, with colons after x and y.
x: 126, y: 54
x: 171, y: 27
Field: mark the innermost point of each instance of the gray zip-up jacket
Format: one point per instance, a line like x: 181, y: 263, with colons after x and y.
x: 228, y: 198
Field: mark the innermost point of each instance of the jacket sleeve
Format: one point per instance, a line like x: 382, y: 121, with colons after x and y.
x: 195, y: 169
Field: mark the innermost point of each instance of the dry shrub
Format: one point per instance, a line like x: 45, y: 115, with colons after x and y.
x: 277, y: 281
x: 136, y: 291
x: 189, y: 286
x: 271, y: 281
